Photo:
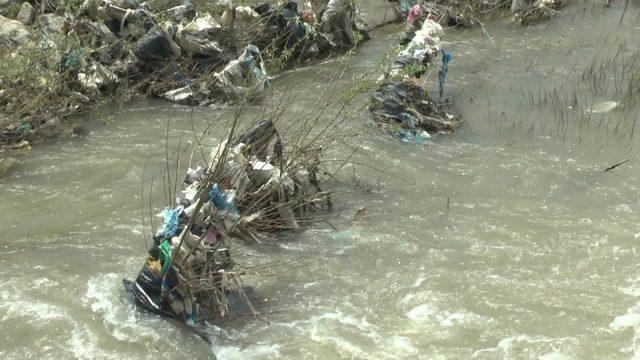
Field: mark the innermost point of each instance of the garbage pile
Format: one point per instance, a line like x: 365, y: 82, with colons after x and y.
x: 452, y: 13
x: 111, y: 49
x: 463, y: 13
x: 401, y: 103
x: 529, y: 12
x: 300, y: 31
x: 243, y: 78
x: 249, y: 189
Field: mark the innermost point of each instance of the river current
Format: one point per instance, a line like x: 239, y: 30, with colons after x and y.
x: 504, y: 240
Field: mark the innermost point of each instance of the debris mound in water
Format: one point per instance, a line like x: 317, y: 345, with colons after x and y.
x: 401, y: 101
x: 404, y: 102
x: 250, y: 189
x: 540, y: 10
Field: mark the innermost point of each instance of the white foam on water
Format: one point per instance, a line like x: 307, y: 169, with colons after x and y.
x: 310, y: 284
x: 526, y: 346
x: 44, y: 283
x: 404, y: 345
x: 631, y: 319
x: 420, y: 280
x: 105, y: 297
x: 320, y: 332
x: 15, y: 304
x: 429, y: 315
x: 233, y: 344
x: 339, y: 316
x: 348, y: 336
x: 555, y: 355
x: 247, y: 353
x: 633, y: 289
x: 342, y: 345
x: 407, y: 299
x: 422, y: 312
x: 382, y: 344
x: 84, y: 345
x: 415, y: 298
x: 460, y: 318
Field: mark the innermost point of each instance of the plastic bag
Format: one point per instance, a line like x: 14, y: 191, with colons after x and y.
x: 156, y: 45
x: 246, y: 75
x: 219, y: 199
x: 414, y: 14
x: 197, y: 36
x: 165, y: 255
x: 442, y: 73
x: 171, y: 222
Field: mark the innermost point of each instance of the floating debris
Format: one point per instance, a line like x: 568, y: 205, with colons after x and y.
x: 401, y: 102
x: 604, y: 107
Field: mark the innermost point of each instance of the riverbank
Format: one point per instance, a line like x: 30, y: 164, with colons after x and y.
x: 68, y: 59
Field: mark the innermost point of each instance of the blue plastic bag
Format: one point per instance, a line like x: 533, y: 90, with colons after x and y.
x: 411, y: 136
x: 442, y: 73
x: 219, y: 200
x: 171, y: 222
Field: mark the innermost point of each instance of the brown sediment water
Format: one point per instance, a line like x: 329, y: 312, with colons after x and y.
x: 505, y: 239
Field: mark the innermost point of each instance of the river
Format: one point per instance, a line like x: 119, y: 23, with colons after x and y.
x: 504, y: 240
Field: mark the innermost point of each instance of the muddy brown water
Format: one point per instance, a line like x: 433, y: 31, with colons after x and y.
x: 505, y: 240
